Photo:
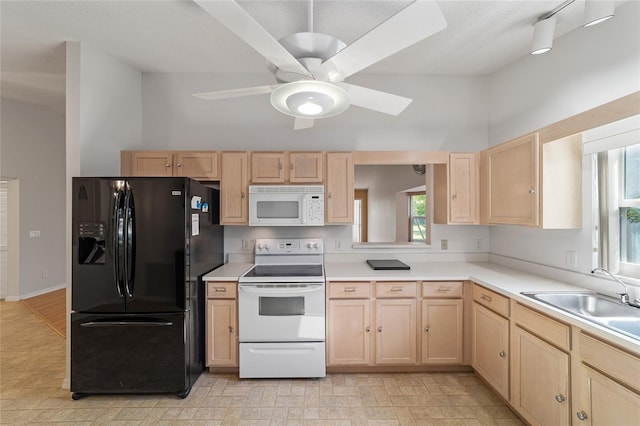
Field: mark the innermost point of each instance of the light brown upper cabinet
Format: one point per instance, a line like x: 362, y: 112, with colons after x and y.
x: 287, y: 167
x: 525, y: 182
x: 456, y: 189
x: 339, y: 188
x: 513, y: 181
x: 234, y: 202
x: 202, y: 165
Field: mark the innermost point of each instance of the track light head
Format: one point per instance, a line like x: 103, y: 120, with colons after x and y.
x: 543, y: 36
x: 597, y: 11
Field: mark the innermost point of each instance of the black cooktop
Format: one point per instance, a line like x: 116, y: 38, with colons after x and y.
x: 284, y: 271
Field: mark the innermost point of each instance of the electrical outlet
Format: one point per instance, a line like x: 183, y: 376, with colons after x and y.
x: 479, y: 243
x: 571, y: 258
x: 45, y: 273
x: 338, y: 245
x: 246, y: 245
x: 444, y: 244
x: 34, y: 234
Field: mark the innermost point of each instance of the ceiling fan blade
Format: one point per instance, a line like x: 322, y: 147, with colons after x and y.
x: 236, y: 93
x: 303, y: 123
x: 415, y: 22
x: 239, y: 22
x: 375, y: 100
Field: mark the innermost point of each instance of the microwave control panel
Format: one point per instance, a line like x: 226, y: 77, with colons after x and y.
x: 315, y: 210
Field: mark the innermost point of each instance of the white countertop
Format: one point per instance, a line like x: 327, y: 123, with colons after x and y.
x: 507, y: 281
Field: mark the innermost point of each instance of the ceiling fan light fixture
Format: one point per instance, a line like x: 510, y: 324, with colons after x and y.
x: 543, y: 36
x: 310, y: 99
x: 596, y: 12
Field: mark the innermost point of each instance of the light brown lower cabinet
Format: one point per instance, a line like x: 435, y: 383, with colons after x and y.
x: 540, y: 380
x: 349, y: 332
x: 442, y: 331
x: 490, y: 346
x: 603, y: 402
x: 221, y: 330
x: 396, y: 331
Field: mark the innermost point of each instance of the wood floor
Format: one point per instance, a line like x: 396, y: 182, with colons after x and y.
x: 51, y: 309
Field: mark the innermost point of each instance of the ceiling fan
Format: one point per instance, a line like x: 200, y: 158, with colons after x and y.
x: 311, y: 67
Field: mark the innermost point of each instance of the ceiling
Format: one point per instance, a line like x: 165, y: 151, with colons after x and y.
x: 178, y: 36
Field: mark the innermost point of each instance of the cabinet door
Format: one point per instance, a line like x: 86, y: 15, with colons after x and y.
x: 603, y: 402
x: 490, y: 343
x: 197, y: 165
x: 442, y: 331
x: 463, y: 188
x: 222, y: 341
x: 233, y: 189
x: 150, y: 163
x: 306, y: 167
x: 268, y: 167
x: 396, y: 331
x: 513, y: 176
x: 339, y: 185
x: 349, y: 332
x: 540, y: 380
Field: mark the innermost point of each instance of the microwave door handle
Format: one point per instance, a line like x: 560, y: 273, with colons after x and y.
x: 304, y: 210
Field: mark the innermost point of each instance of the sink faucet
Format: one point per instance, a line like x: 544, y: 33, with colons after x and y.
x: 624, y: 296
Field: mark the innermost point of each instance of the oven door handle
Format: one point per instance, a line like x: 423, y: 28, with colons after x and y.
x: 272, y: 290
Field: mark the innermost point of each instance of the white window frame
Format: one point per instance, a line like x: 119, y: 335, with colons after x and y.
x: 610, y: 229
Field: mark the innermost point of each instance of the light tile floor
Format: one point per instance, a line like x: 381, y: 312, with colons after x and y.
x: 32, y: 368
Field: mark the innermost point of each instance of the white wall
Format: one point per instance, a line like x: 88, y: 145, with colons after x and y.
x: 110, y: 111
x: 586, y: 68
x: 33, y: 151
x: 448, y: 113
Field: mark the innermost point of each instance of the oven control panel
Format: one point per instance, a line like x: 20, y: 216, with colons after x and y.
x: 291, y: 246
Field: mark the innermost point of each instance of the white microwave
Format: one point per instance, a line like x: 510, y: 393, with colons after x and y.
x: 286, y: 205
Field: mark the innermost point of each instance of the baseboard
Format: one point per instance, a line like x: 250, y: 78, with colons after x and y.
x: 35, y: 293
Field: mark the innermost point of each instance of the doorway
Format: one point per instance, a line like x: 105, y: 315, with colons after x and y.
x: 360, y: 213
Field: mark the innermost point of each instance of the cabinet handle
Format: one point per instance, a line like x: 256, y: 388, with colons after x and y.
x: 426, y: 329
x: 291, y: 166
x: 167, y: 165
x: 532, y: 191
x: 581, y: 415
x: 396, y: 289
x: 380, y: 329
x: 444, y: 289
x: 178, y: 164
x: 368, y: 329
x: 220, y: 290
x: 230, y: 329
x: 560, y: 397
x: 485, y: 297
x: 454, y: 196
x: 349, y: 289
x: 329, y: 195
x: 502, y: 354
x: 242, y: 195
x: 279, y: 165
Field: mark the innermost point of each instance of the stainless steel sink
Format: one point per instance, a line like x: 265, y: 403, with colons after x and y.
x: 595, y: 307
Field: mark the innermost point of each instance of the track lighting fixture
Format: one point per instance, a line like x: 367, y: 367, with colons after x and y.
x: 543, y: 35
x: 597, y: 11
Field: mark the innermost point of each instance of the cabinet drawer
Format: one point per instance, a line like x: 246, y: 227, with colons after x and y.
x: 610, y: 360
x: 492, y: 300
x: 544, y: 327
x: 349, y: 290
x: 222, y: 290
x: 396, y: 289
x: 442, y: 289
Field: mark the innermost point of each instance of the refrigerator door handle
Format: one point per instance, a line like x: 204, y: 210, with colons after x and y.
x: 130, y: 244
x: 127, y: 324
x: 118, y: 242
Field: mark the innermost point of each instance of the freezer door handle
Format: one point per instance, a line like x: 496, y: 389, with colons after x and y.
x: 127, y: 324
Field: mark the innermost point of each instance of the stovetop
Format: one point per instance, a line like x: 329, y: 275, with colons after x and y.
x: 287, y: 260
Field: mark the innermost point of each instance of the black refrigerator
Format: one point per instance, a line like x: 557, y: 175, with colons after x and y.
x: 140, y: 249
